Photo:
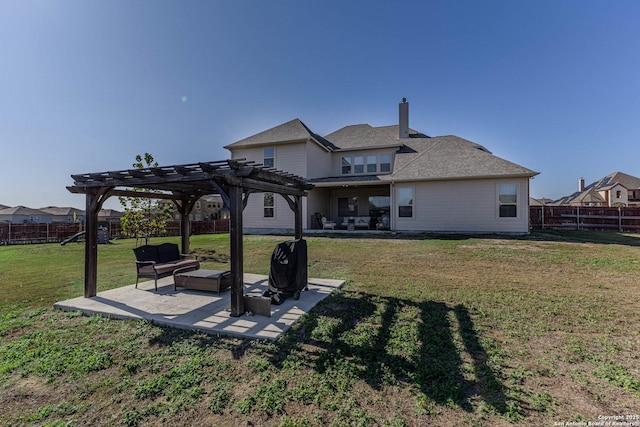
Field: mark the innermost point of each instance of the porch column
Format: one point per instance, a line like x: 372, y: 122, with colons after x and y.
x: 235, y: 236
x: 298, y: 216
x: 91, y: 247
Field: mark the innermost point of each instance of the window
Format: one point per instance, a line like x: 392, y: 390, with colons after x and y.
x: 618, y: 194
x: 346, y: 165
x: 358, y: 164
x: 405, y: 202
x: 385, y: 162
x: 269, y: 204
x: 269, y: 157
x: 347, y: 206
x: 379, y: 205
x: 372, y: 164
x: 508, y: 200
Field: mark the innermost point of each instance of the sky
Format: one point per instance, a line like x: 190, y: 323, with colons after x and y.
x: 87, y: 85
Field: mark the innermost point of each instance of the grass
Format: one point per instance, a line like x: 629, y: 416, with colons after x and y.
x: 429, y: 330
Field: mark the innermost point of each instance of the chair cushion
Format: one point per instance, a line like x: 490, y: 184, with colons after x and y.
x: 168, y: 252
x: 146, y: 253
x: 167, y: 268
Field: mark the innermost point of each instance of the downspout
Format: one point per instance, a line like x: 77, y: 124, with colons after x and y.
x: 392, y: 207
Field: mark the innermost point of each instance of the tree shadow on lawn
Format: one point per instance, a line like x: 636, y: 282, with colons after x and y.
x: 387, y: 341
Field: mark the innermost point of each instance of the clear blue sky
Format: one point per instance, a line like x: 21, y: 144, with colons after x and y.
x: 86, y: 85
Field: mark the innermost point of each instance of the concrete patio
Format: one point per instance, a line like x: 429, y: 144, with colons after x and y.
x: 198, y: 310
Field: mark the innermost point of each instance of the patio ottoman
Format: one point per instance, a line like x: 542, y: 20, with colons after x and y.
x: 202, y: 280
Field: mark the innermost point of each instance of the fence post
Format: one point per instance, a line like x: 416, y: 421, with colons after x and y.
x: 619, y: 219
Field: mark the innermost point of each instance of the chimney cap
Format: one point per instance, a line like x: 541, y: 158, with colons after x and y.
x: 404, y: 99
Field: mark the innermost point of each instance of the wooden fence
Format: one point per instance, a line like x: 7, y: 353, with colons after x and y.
x: 585, y: 218
x: 20, y: 234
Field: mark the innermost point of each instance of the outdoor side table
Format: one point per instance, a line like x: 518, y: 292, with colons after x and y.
x: 202, y: 280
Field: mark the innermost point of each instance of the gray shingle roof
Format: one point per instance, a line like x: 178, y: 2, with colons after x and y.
x: 59, y: 211
x: 628, y: 181
x: 451, y: 157
x: 291, y: 131
x: 362, y: 136
x: 21, y: 210
x: 418, y: 157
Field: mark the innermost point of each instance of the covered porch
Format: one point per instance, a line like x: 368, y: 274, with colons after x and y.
x: 364, y: 206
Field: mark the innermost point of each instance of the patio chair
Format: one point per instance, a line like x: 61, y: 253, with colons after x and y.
x: 328, y: 225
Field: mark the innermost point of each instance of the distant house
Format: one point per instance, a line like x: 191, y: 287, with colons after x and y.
x: 109, y: 215
x: 208, y: 207
x: 25, y: 215
x: 388, y: 178
x: 539, y: 202
x: 614, y: 190
x: 64, y: 214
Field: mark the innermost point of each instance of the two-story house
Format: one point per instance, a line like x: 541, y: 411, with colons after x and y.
x: 389, y: 177
x: 614, y: 190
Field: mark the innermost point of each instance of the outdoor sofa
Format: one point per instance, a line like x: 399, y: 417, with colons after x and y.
x: 358, y: 221
x: 158, y: 261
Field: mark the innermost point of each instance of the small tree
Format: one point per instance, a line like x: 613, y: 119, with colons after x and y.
x: 143, y: 216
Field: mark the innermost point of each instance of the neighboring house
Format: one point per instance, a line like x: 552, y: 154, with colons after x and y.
x: 208, y: 207
x: 109, y: 215
x: 614, y: 190
x: 539, y: 202
x: 24, y: 215
x: 389, y: 177
x: 64, y: 214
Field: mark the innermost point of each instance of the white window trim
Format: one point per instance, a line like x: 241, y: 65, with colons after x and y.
x: 498, y: 204
x: 274, y: 155
x: 269, y: 218
x: 413, y: 206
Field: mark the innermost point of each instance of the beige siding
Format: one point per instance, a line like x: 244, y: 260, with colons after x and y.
x: 319, y: 161
x: 253, y: 215
x: 463, y: 206
x: 289, y: 158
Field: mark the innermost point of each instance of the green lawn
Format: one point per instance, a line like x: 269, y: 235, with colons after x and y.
x: 429, y: 330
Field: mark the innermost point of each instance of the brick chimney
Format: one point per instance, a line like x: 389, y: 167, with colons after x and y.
x: 404, y: 118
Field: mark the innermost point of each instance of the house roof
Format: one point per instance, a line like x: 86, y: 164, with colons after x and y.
x: 61, y: 211
x: 292, y: 131
x: 589, y: 196
x: 627, y: 181
x: 362, y: 136
x: 451, y: 157
x: 418, y: 157
x: 21, y: 210
x: 111, y: 213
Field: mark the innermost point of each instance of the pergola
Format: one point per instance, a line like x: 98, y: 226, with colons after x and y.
x: 234, y: 180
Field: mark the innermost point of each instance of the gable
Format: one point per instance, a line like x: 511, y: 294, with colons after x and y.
x: 292, y: 131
